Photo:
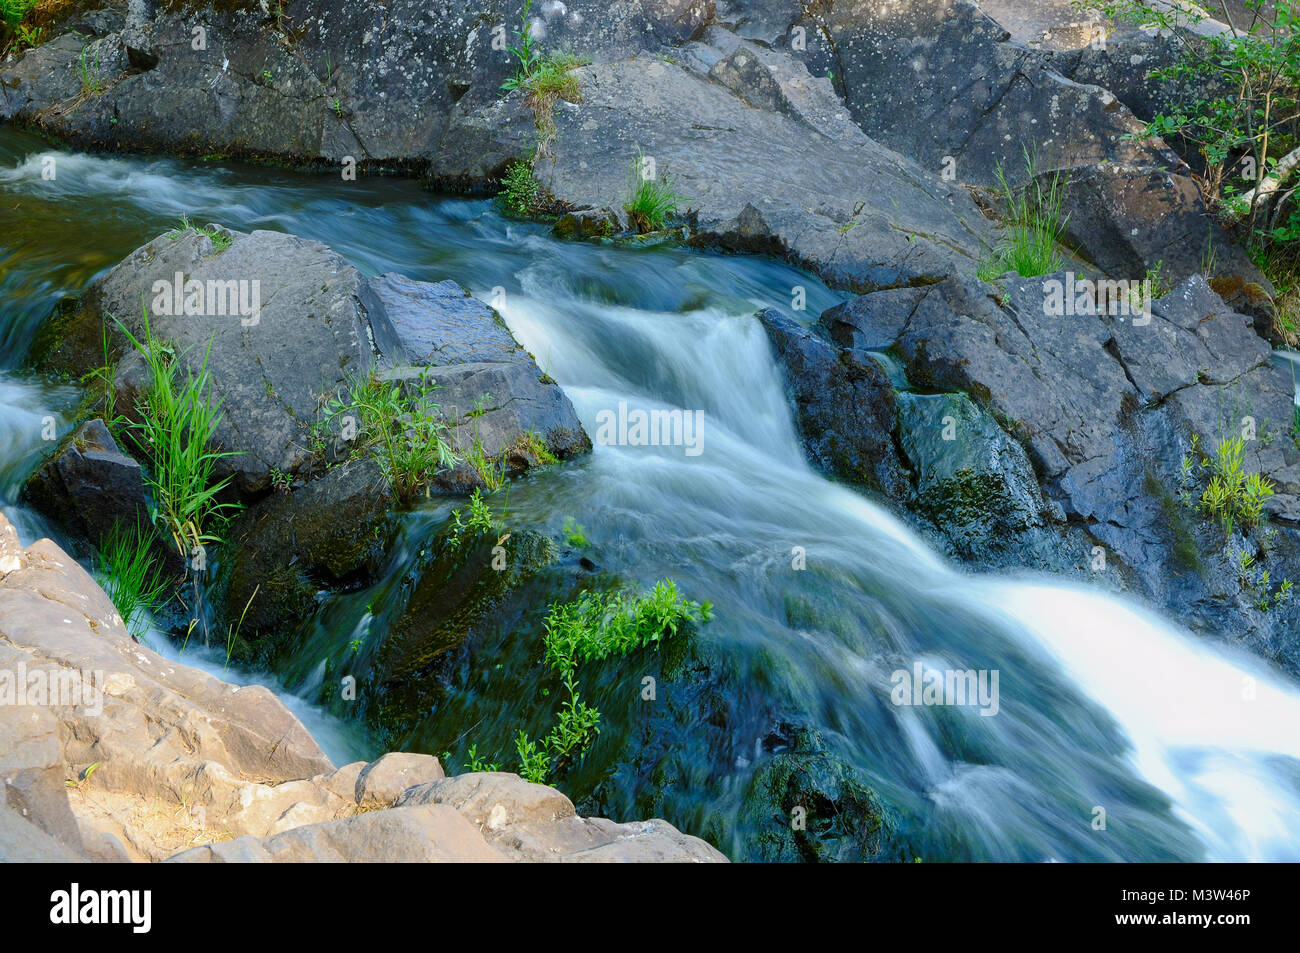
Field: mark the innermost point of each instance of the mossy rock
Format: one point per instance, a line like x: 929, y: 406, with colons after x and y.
x: 807, y: 804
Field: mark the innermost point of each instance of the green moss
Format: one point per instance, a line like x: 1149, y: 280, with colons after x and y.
x: 1183, y: 547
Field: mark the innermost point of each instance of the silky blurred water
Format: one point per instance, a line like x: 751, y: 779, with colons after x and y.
x: 1103, y: 706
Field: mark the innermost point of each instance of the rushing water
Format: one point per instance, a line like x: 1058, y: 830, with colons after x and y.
x: 1190, y: 751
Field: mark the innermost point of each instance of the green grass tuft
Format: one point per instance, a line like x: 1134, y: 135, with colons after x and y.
x: 403, y: 423
x: 653, y: 201
x: 1032, y: 226
x: 132, y: 575
x: 178, y: 423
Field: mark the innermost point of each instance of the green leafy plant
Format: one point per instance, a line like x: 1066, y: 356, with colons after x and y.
x: 175, y: 434
x: 534, y: 762
x: 1232, y: 497
x: 653, y: 200
x: 574, y: 534
x: 476, y: 519
x: 280, y: 481
x: 132, y: 574
x: 520, y: 191
x: 475, y: 763
x: 1032, y: 225
x: 401, y: 421
x: 593, y: 627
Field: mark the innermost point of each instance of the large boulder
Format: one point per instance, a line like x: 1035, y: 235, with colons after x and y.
x: 802, y: 182
x: 281, y: 322
x: 293, y: 328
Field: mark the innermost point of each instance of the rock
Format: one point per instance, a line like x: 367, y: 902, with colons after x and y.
x: 1106, y: 407
x: 448, y: 596
x: 315, y: 324
x: 939, y: 80
x: 128, y: 756
x: 88, y: 485
x: 381, y: 783
x: 292, y: 545
x: 491, y: 391
x: 860, y: 215
x: 844, y: 820
x: 286, y: 321
x: 373, y: 81
x: 844, y: 404
x: 440, y: 323
x: 972, y: 480
x: 1128, y: 221
x: 530, y: 822
x: 406, y: 835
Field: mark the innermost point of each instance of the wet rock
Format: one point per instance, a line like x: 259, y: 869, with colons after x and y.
x: 971, y: 479
x: 282, y: 322
x: 498, y: 403
x: 88, y: 485
x: 327, y: 534
x: 844, y: 404
x: 448, y: 596
x: 1107, y: 407
x: 840, y: 817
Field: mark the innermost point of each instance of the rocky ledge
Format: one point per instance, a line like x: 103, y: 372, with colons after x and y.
x: 111, y: 752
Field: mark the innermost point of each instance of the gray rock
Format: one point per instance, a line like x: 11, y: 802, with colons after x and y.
x: 271, y: 370
x: 971, y: 480
x: 88, y: 485
x: 938, y: 79
x: 844, y: 404
x: 860, y: 215
x: 1128, y: 221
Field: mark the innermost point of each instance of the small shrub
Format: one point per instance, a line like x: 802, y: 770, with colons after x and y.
x: 520, y: 193
x: 477, y: 519
x: 1231, y: 496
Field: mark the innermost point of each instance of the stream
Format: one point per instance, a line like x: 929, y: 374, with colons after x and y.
x: 1101, y: 703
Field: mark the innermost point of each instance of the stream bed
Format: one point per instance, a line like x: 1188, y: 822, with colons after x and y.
x: 1103, y: 709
